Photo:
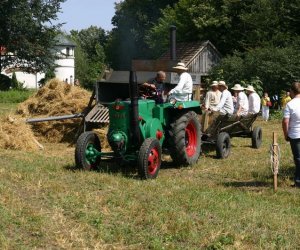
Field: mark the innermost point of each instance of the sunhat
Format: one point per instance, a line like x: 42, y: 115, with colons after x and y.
x: 222, y: 83
x: 237, y: 87
x: 250, y: 88
x: 181, y: 66
x: 214, y: 83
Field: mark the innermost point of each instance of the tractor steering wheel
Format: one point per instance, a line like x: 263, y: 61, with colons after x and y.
x: 148, y: 92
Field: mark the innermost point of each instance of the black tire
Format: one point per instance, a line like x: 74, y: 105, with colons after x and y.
x: 185, y: 139
x: 223, y: 145
x: 85, y: 140
x: 256, y: 137
x: 149, y: 159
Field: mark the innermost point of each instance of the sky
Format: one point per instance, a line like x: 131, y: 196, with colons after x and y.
x: 81, y: 14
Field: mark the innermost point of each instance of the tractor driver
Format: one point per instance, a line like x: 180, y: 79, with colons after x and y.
x: 157, y: 84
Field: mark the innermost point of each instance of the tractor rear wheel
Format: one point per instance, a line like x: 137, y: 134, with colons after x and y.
x: 256, y: 137
x: 185, y: 140
x: 223, y: 145
x: 149, y: 159
x: 87, y: 147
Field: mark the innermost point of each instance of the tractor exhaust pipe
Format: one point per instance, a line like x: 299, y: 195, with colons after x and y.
x: 134, y: 106
x: 173, y: 42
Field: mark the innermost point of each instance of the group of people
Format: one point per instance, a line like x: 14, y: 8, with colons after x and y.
x: 220, y: 99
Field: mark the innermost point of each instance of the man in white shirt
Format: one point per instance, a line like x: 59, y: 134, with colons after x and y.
x: 212, y: 97
x: 254, y: 100
x: 291, y: 127
x: 225, y: 105
x: 242, y: 104
x: 184, y: 89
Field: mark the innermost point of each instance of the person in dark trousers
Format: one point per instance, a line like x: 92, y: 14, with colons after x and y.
x: 291, y: 127
x: 157, y: 84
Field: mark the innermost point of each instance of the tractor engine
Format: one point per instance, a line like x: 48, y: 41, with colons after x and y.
x: 119, y: 128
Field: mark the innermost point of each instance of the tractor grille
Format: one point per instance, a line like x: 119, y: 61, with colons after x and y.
x: 99, y: 114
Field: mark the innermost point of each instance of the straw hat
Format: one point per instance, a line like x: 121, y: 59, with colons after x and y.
x: 237, y: 87
x: 250, y: 88
x: 181, y: 66
x: 222, y: 83
x: 214, y: 83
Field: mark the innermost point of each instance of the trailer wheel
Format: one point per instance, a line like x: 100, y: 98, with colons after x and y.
x: 149, y: 159
x: 223, y: 145
x: 256, y: 137
x: 87, y: 147
x: 185, y: 140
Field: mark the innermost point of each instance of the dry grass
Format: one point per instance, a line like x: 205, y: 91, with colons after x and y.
x: 46, y: 203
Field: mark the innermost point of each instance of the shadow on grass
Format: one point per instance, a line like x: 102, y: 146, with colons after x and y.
x: 128, y: 170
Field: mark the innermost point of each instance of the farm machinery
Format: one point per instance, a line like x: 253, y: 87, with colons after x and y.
x: 140, y: 128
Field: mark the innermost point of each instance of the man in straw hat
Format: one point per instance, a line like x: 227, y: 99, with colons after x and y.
x: 213, y: 96
x: 225, y: 105
x: 184, y: 89
x: 254, y: 100
x: 242, y: 104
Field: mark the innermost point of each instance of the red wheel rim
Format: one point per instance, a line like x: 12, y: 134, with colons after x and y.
x: 190, y: 139
x: 153, y: 161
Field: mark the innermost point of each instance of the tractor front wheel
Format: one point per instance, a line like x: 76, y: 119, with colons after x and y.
x: 185, y: 144
x: 149, y: 159
x: 86, y: 152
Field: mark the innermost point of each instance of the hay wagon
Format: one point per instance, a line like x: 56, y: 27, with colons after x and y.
x: 223, y: 127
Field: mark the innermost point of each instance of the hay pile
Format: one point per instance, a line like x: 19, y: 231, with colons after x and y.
x: 16, y: 134
x: 54, y: 99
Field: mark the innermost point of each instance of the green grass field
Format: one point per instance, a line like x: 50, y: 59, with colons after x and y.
x: 217, y: 204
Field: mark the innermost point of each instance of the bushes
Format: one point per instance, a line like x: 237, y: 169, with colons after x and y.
x: 15, y: 96
x: 5, y: 82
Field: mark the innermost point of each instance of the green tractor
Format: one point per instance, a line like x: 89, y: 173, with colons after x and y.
x: 139, y: 129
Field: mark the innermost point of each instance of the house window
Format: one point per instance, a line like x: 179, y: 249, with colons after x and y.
x: 68, y: 51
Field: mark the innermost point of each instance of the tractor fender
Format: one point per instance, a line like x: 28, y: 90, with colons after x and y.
x: 154, y: 129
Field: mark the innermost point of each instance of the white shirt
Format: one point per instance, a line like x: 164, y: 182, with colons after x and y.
x: 184, y: 89
x: 292, y: 112
x: 242, y: 101
x: 212, y: 99
x: 254, y: 103
x: 225, y: 105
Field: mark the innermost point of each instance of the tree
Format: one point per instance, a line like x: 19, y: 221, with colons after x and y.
x: 270, y: 68
x: 27, y: 33
x: 89, y: 54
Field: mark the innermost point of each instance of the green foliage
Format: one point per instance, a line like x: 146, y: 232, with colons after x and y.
x: 27, y: 31
x: 5, y: 82
x: 15, y: 84
x: 89, y: 55
x: 15, y: 96
x: 270, y: 69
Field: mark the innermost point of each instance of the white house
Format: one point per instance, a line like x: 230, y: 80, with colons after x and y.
x: 65, y: 62
x: 64, y: 70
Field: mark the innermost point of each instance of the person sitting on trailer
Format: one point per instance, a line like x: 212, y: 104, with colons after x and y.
x: 225, y: 105
x: 212, y: 97
x: 242, y: 104
x: 157, y: 86
x: 184, y: 89
x: 254, y: 100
